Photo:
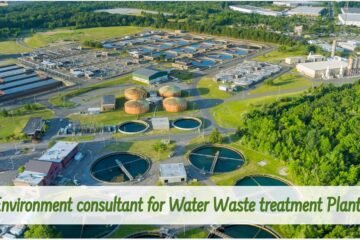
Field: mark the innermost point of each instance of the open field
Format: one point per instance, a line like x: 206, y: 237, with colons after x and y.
x: 290, y: 80
x: 11, y: 126
x: 11, y: 47
x: 277, y: 56
x: 145, y: 148
x: 229, y: 114
x: 62, y: 100
x: 44, y: 38
x: 210, y: 89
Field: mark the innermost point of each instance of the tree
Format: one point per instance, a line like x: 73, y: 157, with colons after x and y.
x: 42, y: 231
x: 160, y: 147
x: 21, y: 169
x: 215, y: 136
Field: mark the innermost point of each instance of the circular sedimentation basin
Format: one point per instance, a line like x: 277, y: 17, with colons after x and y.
x: 257, y: 180
x: 84, y: 231
x: 243, y: 231
x: 120, y: 167
x: 216, y: 159
x: 146, y: 235
x: 133, y: 127
x: 187, y: 123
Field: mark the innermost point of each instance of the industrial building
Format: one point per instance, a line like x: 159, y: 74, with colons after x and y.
x: 34, y: 127
x: 247, y: 73
x: 306, y: 11
x: 172, y: 173
x: 295, y: 60
x: 349, y: 45
x: 149, y: 75
x: 349, y: 19
x: 160, y: 123
x: 108, y: 103
x: 61, y: 153
x: 16, y: 81
x: 49, y: 168
x: 255, y: 10
x: 325, y: 69
x: 29, y: 178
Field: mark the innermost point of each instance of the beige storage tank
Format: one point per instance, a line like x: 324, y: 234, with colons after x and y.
x: 136, y: 107
x: 174, y: 104
x: 135, y: 93
x: 170, y: 91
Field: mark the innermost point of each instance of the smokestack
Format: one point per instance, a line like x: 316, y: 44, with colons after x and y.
x: 333, y: 49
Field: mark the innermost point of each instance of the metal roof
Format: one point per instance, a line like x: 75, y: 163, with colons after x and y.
x: 108, y: 99
x: 33, y: 86
x: 160, y: 123
x: 58, y: 152
x: 8, y: 85
x: 8, y: 68
x: 33, y: 125
x: 172, y: 170
x: 18, y: 77
x: 306, y: 10
x: 31, y: 178
x: 38, y: 166
x: 350, y: 10
x: 146, y: 72
x: 316, y: 66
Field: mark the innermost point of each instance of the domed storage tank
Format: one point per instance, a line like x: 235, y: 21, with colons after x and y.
x: 135, y: 93
x: 174, y: 104
x: 136, y: 107
x: 170, y: 91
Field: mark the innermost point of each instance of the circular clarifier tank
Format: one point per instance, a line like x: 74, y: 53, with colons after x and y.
x: 84, y: 231
x: 133, y: 127
x: 261, y: 181
x: 120, y: 167
x: 147, y: 235
x: 187, y: 123
x: 243, y: 231
x: 216, y: 159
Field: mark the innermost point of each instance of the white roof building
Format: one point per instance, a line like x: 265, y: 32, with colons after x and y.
x: 349, y: 19
x: 255, y: 10
x: 162, y: 123
x: 323, y: 69
x: 29, y: 178
x: 59, y: 151
x: 306, y: 11
x: 172, y: 173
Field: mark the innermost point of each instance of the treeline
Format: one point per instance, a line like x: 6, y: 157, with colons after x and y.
x: 208, y: 18
x: 317, y: 134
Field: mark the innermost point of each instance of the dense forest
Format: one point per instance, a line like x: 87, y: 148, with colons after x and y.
x: 318, y: 134
x: 203, y: 17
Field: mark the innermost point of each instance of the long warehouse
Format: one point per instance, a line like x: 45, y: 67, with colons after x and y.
x: 15, y: 81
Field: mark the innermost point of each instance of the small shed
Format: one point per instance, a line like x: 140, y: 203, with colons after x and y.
x: 162, y: 123
x: 108, y: 103
x: 172, y: 173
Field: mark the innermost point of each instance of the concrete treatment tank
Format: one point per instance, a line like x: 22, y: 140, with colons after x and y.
x: 170, y: 91
x: 174, y: 104
x: 136, y: 107
x: 135, y: 93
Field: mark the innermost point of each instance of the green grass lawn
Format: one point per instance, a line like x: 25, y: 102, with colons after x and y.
x: 62, y: 100
x: 11, y: 47
x: 279, y: 56
x: 289, y: 80
x: 141, y: 147
x: 230, y: 113
x: 126, y: 230
x: 193, y: 233
x: 210, y: 89
x: 100, y: 33
x: 11, y: 127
